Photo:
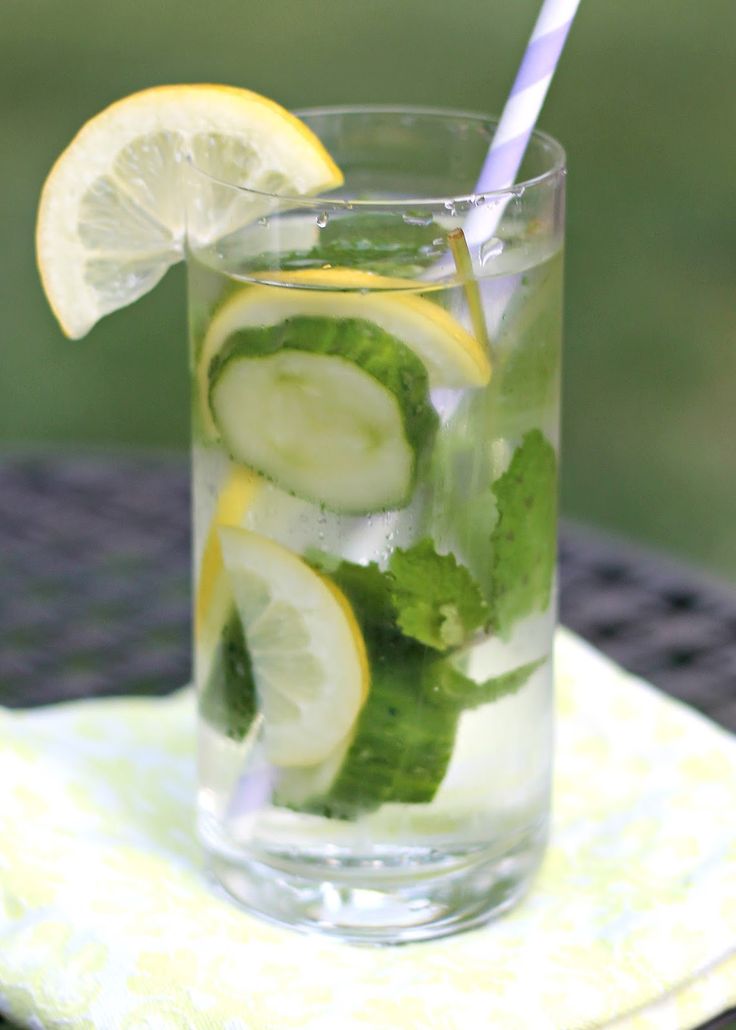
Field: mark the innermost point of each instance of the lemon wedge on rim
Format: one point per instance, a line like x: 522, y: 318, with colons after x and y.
x: 305, y: 647
x: 112, y: 217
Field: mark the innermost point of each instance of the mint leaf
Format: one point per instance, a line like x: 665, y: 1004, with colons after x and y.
x: 380, y: 242
x: 437, y: 601
x: 366, y: 587
x: 525, y: 535
x: 528, y: 380
x: 462, y: 507
x: 448, y: 687
x: 528, y: 361
x: 380, y: 238
x: 228, y: 699
x: 425, y: 598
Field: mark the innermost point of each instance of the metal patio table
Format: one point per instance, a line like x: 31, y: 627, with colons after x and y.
x: 95, y: 599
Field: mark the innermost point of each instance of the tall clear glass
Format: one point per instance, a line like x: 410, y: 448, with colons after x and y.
x: 375, y: 441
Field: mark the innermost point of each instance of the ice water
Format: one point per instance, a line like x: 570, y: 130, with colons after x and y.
x: 444, y: 769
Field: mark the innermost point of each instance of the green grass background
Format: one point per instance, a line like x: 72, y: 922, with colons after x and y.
x: 643, y: 101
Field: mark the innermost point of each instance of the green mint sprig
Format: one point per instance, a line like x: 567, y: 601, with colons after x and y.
x: 524, y: 537
x: 383, y: 243
x: 423, y: 595
x: 436, y: 600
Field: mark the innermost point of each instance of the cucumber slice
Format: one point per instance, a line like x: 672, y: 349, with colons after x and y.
x: 401, y: 748
x: 336, y: 411
x: 405, y: 734
x: 228, y: 699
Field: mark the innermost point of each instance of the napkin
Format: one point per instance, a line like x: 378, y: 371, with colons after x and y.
x: 107, y: 921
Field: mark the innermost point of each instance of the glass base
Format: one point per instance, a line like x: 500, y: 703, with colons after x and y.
x: 385, y: 900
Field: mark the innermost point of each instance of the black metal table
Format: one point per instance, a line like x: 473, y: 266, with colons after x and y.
x: 95, y: 599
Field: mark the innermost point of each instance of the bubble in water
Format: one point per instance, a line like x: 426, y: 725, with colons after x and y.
x: 480, y: 200
x: 491, y: 249
x: 263, y: 222
x: 451, y: 207
x: 321, y: 524
x: 417, y: 218
x: 322, y: 219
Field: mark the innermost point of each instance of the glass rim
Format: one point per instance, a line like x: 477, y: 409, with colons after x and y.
x: 324, y: 201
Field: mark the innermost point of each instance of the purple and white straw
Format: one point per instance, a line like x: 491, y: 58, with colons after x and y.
x: 520, y: 113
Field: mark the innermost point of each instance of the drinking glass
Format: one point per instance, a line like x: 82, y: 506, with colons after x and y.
x: 375, y: 384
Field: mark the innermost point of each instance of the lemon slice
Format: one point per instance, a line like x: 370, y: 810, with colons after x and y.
x: 306, y: 649
x: 213, y: 596
x: 112, y: 218
x: 451, y: 355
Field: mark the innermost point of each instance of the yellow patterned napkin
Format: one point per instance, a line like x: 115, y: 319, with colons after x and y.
x: 106, y: 922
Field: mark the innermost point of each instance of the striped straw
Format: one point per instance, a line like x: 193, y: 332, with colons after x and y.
x: 520, y: 114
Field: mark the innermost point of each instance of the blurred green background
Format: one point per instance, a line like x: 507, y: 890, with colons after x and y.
x: 643, y: 101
